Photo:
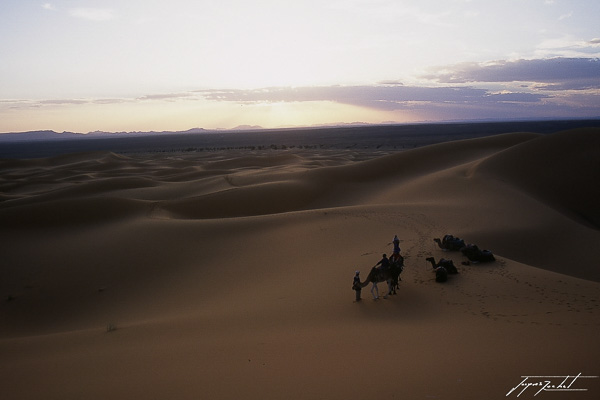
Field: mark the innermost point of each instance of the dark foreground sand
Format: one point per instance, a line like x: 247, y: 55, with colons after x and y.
x: 220, y: 275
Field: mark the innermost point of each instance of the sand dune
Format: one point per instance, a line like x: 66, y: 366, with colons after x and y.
x: 227, y: 274
x: 559, y: 170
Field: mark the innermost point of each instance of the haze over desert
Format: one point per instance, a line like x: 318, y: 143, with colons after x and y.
x: 227, y: 273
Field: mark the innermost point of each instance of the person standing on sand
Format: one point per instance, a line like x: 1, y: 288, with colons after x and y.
x: 356, y: 285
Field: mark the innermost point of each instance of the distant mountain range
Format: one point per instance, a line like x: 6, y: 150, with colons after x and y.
x: 546, y: 125
x: 52, y: 135
x: 46, y: 135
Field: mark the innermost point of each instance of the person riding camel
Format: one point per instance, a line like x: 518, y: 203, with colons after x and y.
x: 396, y: 242
x: 384, y: 264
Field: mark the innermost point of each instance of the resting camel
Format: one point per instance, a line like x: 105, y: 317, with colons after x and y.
x: 441, y: 274
x: 476, y: 255
x: 391, y: 276
x: 447, y: 264
x: 450, y: 243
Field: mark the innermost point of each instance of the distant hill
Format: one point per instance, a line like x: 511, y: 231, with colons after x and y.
x: 353, y: 136
x: 37, y: 135
x: 48, y: 135
x: 247, y: 128
x: 540, y: 126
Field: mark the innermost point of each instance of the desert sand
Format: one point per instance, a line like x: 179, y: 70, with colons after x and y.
x: 227, y: 274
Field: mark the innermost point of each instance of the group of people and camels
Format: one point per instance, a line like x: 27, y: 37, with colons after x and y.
x: 389, y: 269
x: 386, y: 270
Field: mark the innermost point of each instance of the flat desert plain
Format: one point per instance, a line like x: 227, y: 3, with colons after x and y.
x: 228, y: 274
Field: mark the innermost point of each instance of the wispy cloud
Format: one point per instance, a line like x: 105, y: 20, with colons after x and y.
x: 568, y: 46
x: 66, y: 102
x: 560, y: 87
x: 523, y: 88
x: 93, y: 14
x: 166, y: 96
x: 556, y: 73
x: 110, y: 101
x: 381, y: 97
x: 63, y: 102
x: 56, y: 103
x: 565, y: 16
x: 48, y: 6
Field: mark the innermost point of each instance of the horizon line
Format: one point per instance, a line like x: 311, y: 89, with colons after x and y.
x: 357, y: 124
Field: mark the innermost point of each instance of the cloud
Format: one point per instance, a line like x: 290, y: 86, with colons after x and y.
x: 565, y: 16
x: 63, y: 102
x: 432, y: 103
x: 167, y: 96
x: 48, y: 6
x: 542, y: 79
x: 110, y: 101
x: 381, y: 97
x: 18, y: 104
x: 544, y: 88
x: 555, y: 73
x: 93, y: 14
x: 391, y: 82
x: 66, y: 102
x: 567, y: 47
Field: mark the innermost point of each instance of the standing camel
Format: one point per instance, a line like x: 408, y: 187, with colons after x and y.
x: 391, y: 276
x: 376, y: 276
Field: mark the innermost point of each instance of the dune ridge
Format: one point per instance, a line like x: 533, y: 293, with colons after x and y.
x: 196, y: 275
x: 559, y: 169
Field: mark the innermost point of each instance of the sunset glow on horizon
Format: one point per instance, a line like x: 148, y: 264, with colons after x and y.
x: 150, y: 65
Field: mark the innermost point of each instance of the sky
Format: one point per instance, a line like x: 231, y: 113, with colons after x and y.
x: 142, y: 65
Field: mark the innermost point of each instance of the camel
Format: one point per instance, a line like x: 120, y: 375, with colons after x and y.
x: 476, y: 255
x: 442, y: 268
x: 441, y: 274
x: 450, y: 243
x: 391, y: 276
x: 447, y: 264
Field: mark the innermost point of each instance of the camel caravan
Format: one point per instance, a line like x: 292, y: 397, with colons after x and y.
x: 389, y: 269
